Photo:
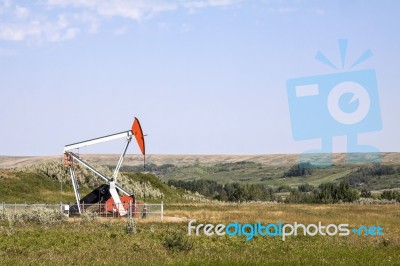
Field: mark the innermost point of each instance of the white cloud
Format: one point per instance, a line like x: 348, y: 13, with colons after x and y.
x: 38, y: 31
x: 11, y: 33
x: 207, y: 3
x: 62, y: 20
x: 21, y: 12
x: 71, y: 33
x: 20, y: 24
x: 135, y: 10
x: 90, y: 21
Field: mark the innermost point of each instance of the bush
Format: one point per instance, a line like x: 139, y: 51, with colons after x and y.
x: 41, y: 216
x: 130, y: 227
x: 365, y: 193
x: 176, y: 241
x: 87, y: 217
x: 44, y: 216
x: 391, y: 195
x: 301, y: 169
x: 325, y: 193
x: 305, y: 188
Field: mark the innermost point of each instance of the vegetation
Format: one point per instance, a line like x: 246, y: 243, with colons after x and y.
x: 177, y: 241
x: 38, y: 187
x: 325, y: 193
x: 371, y: 177
x: 300, y: 169
x: 375, y: 176
x: 49, y: 182
x: 391, y: 195
x: 139, y: 184
x: 305, y: 193
x: 43, y: 236
x: 228, y: 192
x: 155, y: 243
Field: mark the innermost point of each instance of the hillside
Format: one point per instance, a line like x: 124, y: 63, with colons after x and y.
x: 49, y: 182
x: 38, y: 179
x: 7, y: 162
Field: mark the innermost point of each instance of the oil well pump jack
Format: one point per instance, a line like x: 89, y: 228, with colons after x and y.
x: 108, y: 194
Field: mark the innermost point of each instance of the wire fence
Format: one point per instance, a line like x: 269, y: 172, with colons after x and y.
x: 151, y: 211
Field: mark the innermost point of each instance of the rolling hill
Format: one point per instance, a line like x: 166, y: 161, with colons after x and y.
x: 32, y: 178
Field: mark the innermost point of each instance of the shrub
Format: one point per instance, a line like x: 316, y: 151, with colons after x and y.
x: 365, y: 193
x: 301, y: 169
x: 391, y: 195
x: 43, y: 216
x: 88, y: 217
x: 176, y: 241
x: 130, y: 227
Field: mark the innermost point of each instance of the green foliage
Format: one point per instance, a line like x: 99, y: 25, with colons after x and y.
x: 391, y: 195
x: 375, y: 176
x: 177, y: 241
x: 158, y: 170
x: 326, y: 193
x: 306, y: 188
x: 365, y: 193
x: 229, y: 167
x: 300, y: 169
x: 284, y: 188
x: 229, y: 192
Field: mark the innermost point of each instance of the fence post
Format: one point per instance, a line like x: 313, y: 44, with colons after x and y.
x: 162, y: 211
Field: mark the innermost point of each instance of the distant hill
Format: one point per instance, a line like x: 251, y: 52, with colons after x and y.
x: 7, y: 162
x: 34, y: 178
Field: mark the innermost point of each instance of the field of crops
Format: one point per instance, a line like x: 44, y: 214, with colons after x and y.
x: 88, y: 241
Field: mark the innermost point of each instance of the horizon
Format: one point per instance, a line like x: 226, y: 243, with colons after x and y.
x: 195, y: 154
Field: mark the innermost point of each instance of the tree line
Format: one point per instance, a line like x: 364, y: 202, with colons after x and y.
x: 227, y: 192
x: 236, y: 192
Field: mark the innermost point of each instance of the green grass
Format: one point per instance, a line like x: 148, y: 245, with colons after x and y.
x: 257, y: 173
x: 30, y: 187
x: 20, y: 187
x: 107, y: 242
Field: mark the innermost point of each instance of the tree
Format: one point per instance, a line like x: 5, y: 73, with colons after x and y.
x: 301, y: 169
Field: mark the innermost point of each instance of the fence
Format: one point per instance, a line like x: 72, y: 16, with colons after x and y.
x: 149, y: 211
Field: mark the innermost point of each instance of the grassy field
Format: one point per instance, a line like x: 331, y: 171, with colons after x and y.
x: 107, y: 242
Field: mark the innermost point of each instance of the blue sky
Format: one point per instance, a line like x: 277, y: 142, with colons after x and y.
x: 203, y: 77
